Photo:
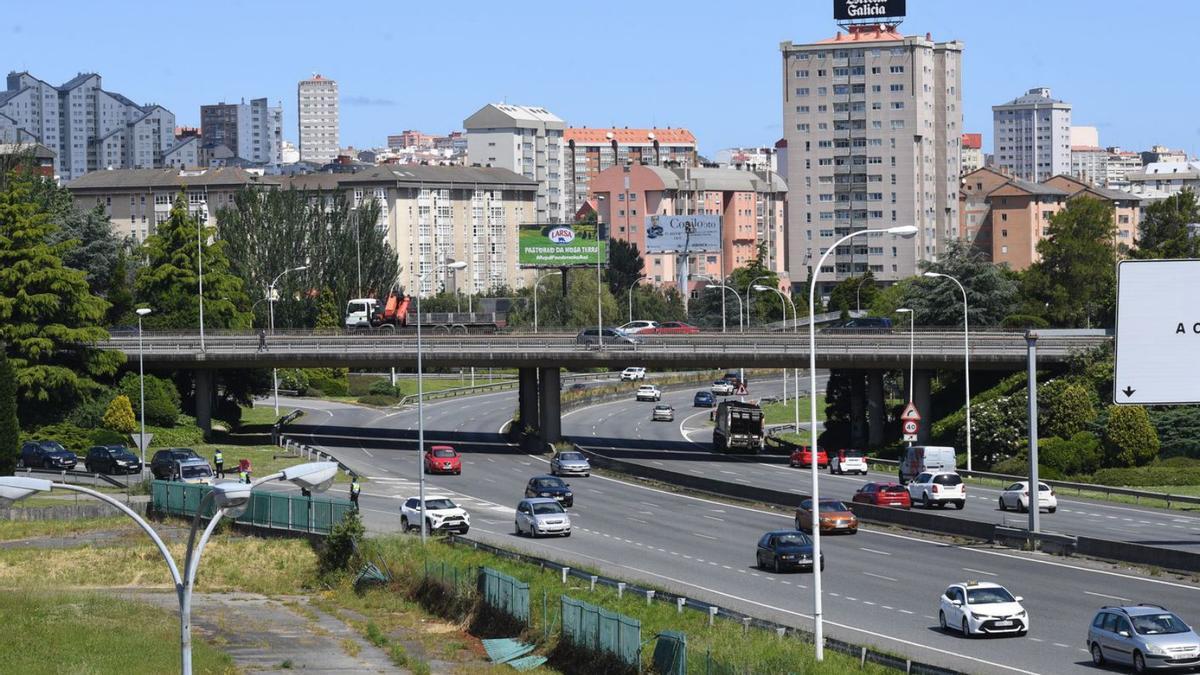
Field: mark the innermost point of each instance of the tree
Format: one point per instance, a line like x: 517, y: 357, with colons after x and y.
x: 1067, y: 409
x: 1129, y: 438
x: 10, y: 428
x: 625, y: 265
x: 48, y: 316
x: 998, y: 428
x: 96, y: 247
x: 1074, y: 282
x: 576, y: 310
x: 162, y: 398
x: 992, y: 293
x: 853, y: 293
x: 119, y: 415
x: 1164, y: 232
x: 120, y: 292
x: 1076, y: 455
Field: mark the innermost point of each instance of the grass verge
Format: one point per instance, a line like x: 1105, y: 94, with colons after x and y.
x: 13, y: 530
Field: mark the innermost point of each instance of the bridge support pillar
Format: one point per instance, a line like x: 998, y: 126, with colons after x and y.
x: 924, y: 401
x: 876, y: 415
x: 527, y: 394
x: 858, y: 410
x: 204, y: 400
x: 549, y: 388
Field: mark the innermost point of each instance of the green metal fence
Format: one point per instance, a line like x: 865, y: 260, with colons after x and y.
x: 460, y: 581
x: 270, y: 510
x: 598, y: 629
x: 504, y: 593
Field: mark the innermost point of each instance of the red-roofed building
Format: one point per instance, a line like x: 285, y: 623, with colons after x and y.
x: 592, y: 150
x: 972, y: 152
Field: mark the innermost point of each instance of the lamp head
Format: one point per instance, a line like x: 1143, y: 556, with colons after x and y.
x: 300, y: 268
x: 313, y: 476
x: 933, y: 275
x: 903, y: 310
x: 14, y: 488
x: 760, y: 288
x: 457, y: 265
x: 232, y: 496
x: 142, y: 311
x: 903, y: 230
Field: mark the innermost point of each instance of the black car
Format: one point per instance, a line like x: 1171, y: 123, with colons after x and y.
x: 47, y: 455
x: 111, y: 459
x: 550, y: 486
x: 785, y: 549
x: 162, y: 464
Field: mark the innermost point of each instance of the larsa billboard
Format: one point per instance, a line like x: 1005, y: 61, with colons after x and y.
x: 855, y: 10
x: 560, y: 245
x: 679, y: 234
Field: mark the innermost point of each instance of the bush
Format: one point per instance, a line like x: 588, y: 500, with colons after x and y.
x: 109, y: 437
x: 295, y: 380
x: 71, y: 437
x: 1067, y: 409
x: 383, y: 388
x: 376, y: 399
x: 162, y: 399
x: 1129, y: 439
x: 119, y: 415
x: 185, y: 434
x: 1148, y: 476
x: 1178, y: 430
x: 1081, y: 454
x: 1019, y: 466
x: 340, y: 546
x: 90, y: 414
x: 331, y: 381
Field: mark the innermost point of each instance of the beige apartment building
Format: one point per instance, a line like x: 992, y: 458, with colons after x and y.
x: 873, y: 125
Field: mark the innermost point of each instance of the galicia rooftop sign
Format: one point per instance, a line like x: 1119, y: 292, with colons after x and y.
x: 1158, y: 332
x: 857, y: 10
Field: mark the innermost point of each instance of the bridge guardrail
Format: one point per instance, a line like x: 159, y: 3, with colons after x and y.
x: 76, y: 476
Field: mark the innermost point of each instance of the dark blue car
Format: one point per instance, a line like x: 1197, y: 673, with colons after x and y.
x: 704, y: 399
x: 782, y: 550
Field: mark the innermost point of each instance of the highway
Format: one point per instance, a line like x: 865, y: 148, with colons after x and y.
x: 881, y: 586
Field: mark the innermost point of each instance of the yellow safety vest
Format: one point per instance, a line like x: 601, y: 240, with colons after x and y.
x: 355, y: 488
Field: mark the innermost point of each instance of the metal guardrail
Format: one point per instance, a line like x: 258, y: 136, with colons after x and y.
x: 75, y: 476
x: 455, y: 392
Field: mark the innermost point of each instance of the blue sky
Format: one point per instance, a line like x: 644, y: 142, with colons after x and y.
x: 712, y: 66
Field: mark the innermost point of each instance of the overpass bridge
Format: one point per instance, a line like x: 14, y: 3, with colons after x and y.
x: 538, y: 357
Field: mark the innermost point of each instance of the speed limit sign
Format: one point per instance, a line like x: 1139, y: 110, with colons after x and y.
x: 910, y: 430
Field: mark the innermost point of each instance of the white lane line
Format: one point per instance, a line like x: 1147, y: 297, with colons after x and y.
x: 367, y: 452
x: 1059, y: 644
x: 880, y: 576
x: 871, y: 550
x: 971, y: 569
x: 1037, y: 639
x: 905, y: 611
x: 705, y: 536
x: 636, y: 520
x: 1111, y: 597
x: 714, y: 518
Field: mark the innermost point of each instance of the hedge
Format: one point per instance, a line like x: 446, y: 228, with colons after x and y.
x: 1148, y: 476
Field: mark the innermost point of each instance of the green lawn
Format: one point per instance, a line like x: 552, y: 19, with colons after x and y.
x: 81, y: 632
x: 11, y: 530
x: 264, y: 459
x: 785, y: 413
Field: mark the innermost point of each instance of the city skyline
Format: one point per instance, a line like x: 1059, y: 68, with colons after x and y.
x: 1008, y: 49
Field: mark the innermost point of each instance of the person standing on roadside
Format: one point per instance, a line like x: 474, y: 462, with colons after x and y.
x: 219, y: 463
x: 262, y: 340
x: 355, y: 489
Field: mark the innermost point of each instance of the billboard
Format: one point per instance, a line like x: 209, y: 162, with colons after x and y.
x: 855, y: 10
x: 560, y: 245
x: 677, y: 234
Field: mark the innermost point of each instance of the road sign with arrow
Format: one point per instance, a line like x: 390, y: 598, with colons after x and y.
x: 1157, y: 341
x: 910, y: 422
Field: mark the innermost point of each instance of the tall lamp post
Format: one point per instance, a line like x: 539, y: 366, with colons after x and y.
x: 912, y: 327
x: 712, y: 284
x: 141, y: 312
x: 535, y: 296
x: 631, y: 287
x: 818, y: 626
x: 200, y: 275
x: 271, y: 307
x: 456, y: 265
x: 966, y: 354
x: 749, y: 287
x: 795, y: 329
x: 599, y: 304
x: 858, y: 294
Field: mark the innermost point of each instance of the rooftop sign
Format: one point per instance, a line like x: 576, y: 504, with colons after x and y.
x: 860, y: 10
x: 1158, y: 333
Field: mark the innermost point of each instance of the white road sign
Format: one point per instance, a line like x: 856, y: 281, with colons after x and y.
x: 1158, y: 332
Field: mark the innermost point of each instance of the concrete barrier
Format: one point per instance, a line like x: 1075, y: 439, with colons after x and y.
x: 925, y: 521
x: 69, y: 512
x: 1139, y: 554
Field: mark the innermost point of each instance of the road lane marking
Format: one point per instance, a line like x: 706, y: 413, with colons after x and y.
x: 704, y: 536
x: 871, y: 550
x: 880, y: 576
x: 715, y: 518
x: 1111, y: 597
x: 971, y: 569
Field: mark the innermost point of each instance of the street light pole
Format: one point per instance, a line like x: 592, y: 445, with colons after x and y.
x: 818, y: 626
x: 858, y: 294
x: 795, y: 329
x: 200, y: 276
x: 599, y: 304
x: 535, y: 296
x: 271, y: 311
x: 966, y: 355
x: 631, y: 287
x: 142, y: 311
x: 912, y: 326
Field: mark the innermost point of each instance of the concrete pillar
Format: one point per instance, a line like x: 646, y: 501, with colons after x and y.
x: 876, y: 415
x: 204, y: 400
x: 549, y: 390
x: 527, y: 393
x: 858, y: 409
x: 922, y: 397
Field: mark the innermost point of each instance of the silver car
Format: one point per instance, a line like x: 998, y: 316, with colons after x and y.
x: 541, y: 515
x: 663, y: 413
x: 1146, y: 637
x: 570, y: 463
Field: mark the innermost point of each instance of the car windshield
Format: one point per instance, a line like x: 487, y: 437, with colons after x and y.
x: 852, y: 454
x: 569, y: 456
x: 544, y: 508
x: 439, y: 504
x: 662, y: 407
x: 443, y: 452
x: 51, y: 446
x: 793, y: 539
x: 893, y: 488
x: 544, y: 483
x: 985, y: 596
x: 833, y: 507
x: 195, y: 471
x: 1159, y: 624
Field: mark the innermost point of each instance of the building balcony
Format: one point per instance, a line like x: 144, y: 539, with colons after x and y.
x: 841, y: 63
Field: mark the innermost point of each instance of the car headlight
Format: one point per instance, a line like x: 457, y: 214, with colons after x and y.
x: 979, y: 617
x: 1152, y: 648
x: 568, y: 494
x: 543, y: 494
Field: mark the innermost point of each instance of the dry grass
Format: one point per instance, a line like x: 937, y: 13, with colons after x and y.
x: 12, y: 530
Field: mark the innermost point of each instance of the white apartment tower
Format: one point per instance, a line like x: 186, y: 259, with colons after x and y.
x: 317, y: 113
x: 873, y: 124
x: 251, y: 131
x: 527, y: 141
x: 87, y: 127
x: 1033, y: 136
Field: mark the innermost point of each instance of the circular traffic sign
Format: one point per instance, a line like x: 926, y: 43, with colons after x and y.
x: 910, y: 427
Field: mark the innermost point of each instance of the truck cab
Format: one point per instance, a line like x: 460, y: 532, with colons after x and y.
x: 358, y: 312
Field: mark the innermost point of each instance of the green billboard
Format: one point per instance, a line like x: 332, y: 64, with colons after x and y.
x: 560, y: 245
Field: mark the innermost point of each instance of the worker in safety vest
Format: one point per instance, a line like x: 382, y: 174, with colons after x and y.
x: 355, y: 489
x: 219, y: 462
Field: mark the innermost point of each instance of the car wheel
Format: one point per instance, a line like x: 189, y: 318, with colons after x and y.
x: 925, y: 503
x: 1052, y: 509
x: 404, y: 524
x: 942, y: 620
x: 1139, y: 663
x: 566, y: 534
x: 1097, y: 655
x: 966, y: 629
x: 1021, y: 507
x: 517, y: 527
x: 775, y: 566
x: 1002, y: 506
x: 464, y: 531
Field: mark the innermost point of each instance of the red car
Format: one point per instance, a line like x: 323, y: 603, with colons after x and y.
x: 884, y: 494
x: 674, y: 328
x: 803, y: 458
x: 442, y: 459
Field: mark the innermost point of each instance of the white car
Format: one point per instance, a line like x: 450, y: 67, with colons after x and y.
x: 722, y: 388
x: 848, y: 461
x: 634, y: 327
x: 648, y: 392
x: 982, y: 608
x: 662, y: 413
x: 632, y: 374
x: 441, y: 514
x: 938, y: 487
x: 1016, y: 496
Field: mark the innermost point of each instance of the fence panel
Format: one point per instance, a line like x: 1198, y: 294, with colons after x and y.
x: 266, y: 509
x: 505, y: 594
x: 600, y: 630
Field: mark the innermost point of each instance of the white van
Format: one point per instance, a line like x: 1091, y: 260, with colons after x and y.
x: 921, y: 458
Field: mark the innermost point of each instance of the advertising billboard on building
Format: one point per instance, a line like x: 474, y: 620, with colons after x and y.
x: 677, y: 234
x: 856, y: 10
x: 560, y: 245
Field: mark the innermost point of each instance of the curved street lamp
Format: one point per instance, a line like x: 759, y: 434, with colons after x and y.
x: 535, y: 296
x: 795, y: 329
x: 818, y: 626
x: 966, y: 354
x: 141, y: 312
x: 713, y: 284
x: 271, y: 306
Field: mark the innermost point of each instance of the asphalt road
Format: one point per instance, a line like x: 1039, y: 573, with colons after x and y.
x: 881, y: 587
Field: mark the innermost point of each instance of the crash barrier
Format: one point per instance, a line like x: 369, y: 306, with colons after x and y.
x: 914, y: 519
x: 268, y: 510
x: 504, y: 594
x: 311, y: 454
x: 681, y: 602
x: 76, y: 477
x: 68, y: 511
x: 599, y: 630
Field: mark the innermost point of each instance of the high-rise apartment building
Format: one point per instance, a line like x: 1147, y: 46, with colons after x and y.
x: 252, y: 132
x: 873, y: 124
x: 1089, y: 163
x: 87, y: 127
x: 527, y: 141
x: 749, y: 159
x: 972, y: 153
x: 317, y: 115
x: 1119, y: 165
x: 592, y: 150
x: 1033, y: 136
